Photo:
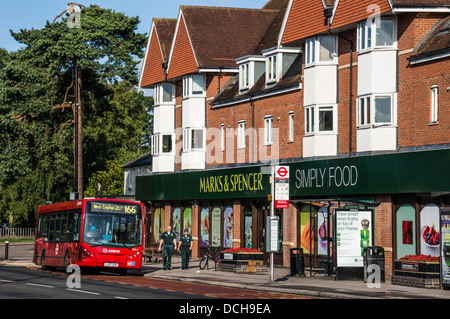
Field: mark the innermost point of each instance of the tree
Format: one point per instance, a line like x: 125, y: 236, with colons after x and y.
x: 36, y: 148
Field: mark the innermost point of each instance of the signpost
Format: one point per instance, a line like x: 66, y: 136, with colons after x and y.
x: 281, y: 187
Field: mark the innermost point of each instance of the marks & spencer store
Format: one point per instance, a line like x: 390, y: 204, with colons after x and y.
x: 393, y: 196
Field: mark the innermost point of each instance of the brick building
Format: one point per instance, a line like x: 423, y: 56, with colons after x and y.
x: 352, y: 96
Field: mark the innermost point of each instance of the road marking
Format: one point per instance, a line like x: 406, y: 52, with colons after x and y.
x: 39, y: 285
x: 10, y: 281
x: 117, y: 297
x: 84, y: 291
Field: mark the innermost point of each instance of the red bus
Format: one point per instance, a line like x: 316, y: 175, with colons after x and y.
x: 91, y: 233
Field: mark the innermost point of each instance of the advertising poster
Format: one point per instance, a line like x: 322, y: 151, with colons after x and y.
x: 322, y: 231
x: 228, y: 227
x: 354, y: 232
x: 187, y: 219
x: 445, y: 251
x: 204, y: 227
x: 158, y: 223
x: 248, y: 231
x: 176, y: 220
x: 215, y: 226
x: 429, y: 230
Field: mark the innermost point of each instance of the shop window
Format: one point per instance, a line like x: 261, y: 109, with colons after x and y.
x: 204, y: 227
x: 158, y: 223
x: 228, y: 227
x: 176, y: 221
x: 187, y: 219
x: 248, y: 227
x: 215, y: 226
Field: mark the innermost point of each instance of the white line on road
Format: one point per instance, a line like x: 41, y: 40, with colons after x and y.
x: 84, y: 291
x: 10, y: 281
x: 39, y: 285
x: 117, y: 297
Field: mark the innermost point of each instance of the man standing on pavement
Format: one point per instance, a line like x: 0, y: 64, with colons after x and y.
x: 168, y: 238
x: 186, y: 248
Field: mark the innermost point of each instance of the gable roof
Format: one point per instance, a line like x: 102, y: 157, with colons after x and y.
x: 213, y: 37
x: 158, y: 48
x: 305, y: 18
x: 351, y: 11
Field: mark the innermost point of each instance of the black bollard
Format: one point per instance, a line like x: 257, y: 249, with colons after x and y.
x: 6, y: 250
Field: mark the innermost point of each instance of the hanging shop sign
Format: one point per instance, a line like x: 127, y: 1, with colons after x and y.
x: 354, y: 232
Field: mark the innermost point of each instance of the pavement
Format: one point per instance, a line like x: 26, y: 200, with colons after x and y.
x: 314, y: 284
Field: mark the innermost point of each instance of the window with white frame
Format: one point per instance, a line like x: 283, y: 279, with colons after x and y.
x: 163, y: 93
x: 193, y: 139
x: 309, y: 119
x: 193, y: 85
x: 161, y: 144
x: 268, y: 130
x: 310, y: 54
x: 434, y: 104
x: 376, y: 109
x: 271, y: 69
x: 241, y: 134
x: 376, y: 32
x: 222, y: 137
x: 291, y: 126
x: 244, y: 76
x: 197, y: 139
x: 321, y: 49
x: 320, y: 119
x: 167, y: 141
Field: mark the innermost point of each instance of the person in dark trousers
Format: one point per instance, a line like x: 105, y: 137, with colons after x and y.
x: 186, y: 247
x: 168, y: 238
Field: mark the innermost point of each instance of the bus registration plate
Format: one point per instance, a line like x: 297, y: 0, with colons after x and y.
x: 111, y: 264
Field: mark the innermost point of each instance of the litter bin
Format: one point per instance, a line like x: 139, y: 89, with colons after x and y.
x: 297, y: 262
x: 374, y: 263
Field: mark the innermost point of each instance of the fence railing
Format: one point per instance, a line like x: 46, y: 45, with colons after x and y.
x: 17, y: 232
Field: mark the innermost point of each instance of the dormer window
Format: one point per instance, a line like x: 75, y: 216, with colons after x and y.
x: 251, y: 68
x: 244, y: 76
x: 271, y: 70
x: 278, y: 61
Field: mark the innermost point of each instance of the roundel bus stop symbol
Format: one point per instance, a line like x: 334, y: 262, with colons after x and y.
x: 282, y: 171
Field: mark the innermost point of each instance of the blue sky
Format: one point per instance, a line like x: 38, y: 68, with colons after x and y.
x: 28, y: 14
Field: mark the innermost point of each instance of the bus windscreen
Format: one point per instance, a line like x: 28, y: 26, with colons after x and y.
x: 113, y: 224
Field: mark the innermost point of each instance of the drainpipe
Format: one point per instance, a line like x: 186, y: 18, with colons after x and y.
x: 328, y: 14
x: 252, y: 103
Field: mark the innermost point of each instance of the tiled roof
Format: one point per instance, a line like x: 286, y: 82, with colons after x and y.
x: 351, y: 11
x: 420, y: 2
x: 305, y: 19
x: 157, y: 51
x: 437, y: 41
x: 221, y: 35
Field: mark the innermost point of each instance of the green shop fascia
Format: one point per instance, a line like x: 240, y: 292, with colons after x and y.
x: 393, y: 173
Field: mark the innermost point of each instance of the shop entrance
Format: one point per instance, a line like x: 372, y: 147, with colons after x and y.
x: 262, y: 213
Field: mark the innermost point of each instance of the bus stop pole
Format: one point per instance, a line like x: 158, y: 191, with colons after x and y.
x: 272, y: 213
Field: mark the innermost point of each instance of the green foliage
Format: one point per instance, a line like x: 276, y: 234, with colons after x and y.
x: 111, y: 181
x: 36, y: 144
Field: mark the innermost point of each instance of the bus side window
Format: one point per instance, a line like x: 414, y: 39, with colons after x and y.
x: 51, y: 235
x: 69, y: 231
x: 77, y: 225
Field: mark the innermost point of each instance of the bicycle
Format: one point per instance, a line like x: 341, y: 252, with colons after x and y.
x: 216, y: 258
